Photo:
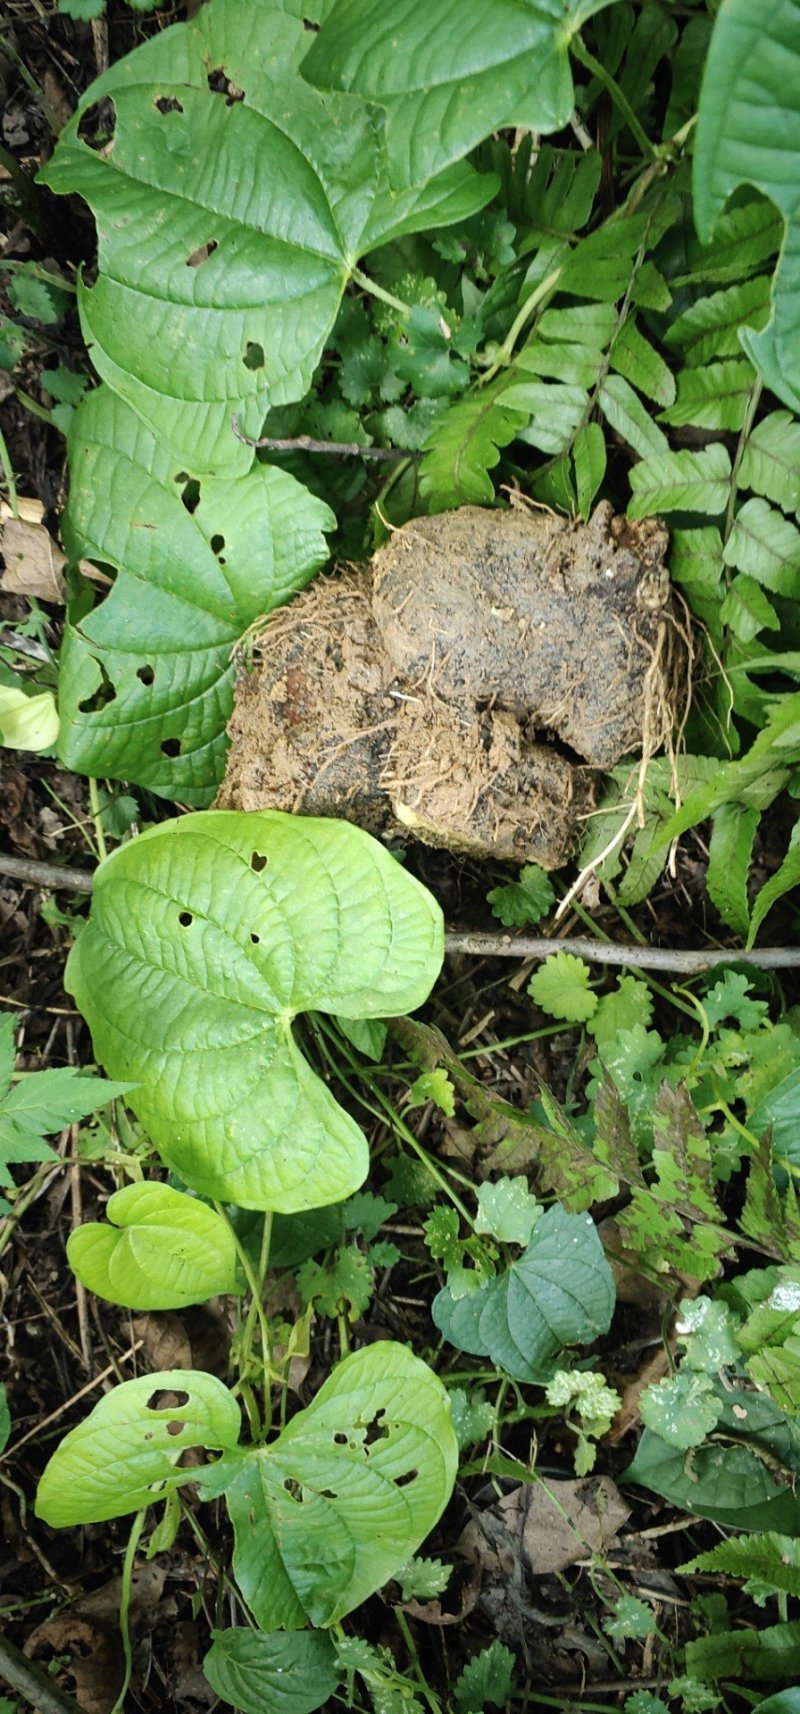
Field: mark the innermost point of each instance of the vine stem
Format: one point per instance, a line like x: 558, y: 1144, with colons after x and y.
x: 619, y: 99
x: 256, y: 1310
x: 376, y: 291
x: 125, y: 1605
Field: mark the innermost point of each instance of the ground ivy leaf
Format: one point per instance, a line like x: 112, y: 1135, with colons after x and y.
x: 207, y: 936
x: 282, y: 1672
x: 527, y: 899
x: 163, y: 1250
x: 506, y: 1210
x: 682, y: 1411
x: 488, y: 1677
x: 448, y: 76
x: 561, y: 987
x: 146, y: 683
x: 125, y: 1454
x: 559, y: 1292
x: 630, y: 1618
x: 347, y: 1492
x: 628, y: 1004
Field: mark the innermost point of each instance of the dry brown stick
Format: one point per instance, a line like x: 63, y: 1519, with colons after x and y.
x: 491, y: 944
x: 335, y: 448
x: 613, y: 952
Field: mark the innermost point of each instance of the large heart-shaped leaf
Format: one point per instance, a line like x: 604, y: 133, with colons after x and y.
x: 146, y: 682
x: 163, y: 1250
x: 748, y: 132
x: 338, y: 1503
x: 275, y: 1672
x: 207, y: 936
x: 232, y: 203
x: 448, y: 75
x: 125, y: 1455
x: 744, y: 1480
x: 559, y: 1292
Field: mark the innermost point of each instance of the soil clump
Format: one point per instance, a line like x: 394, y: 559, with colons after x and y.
x: 467, y: 684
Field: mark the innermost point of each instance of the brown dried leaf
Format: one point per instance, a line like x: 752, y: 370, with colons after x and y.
x: 34, y: 562
x: 96, y: 1667
x: 569, y: 1521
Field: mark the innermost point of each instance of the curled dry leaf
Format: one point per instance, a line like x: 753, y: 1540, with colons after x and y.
x: 34, y: 563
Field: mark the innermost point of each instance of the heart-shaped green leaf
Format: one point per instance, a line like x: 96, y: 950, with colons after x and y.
x: 748, y: 132
x: 448, y: 75
x: 338, y: 1503
x: 126, y: 1453
x: 232, y: 203
x: 559, y: 1292
x: 276, y: 1672
x: 146, y: 682
x: 207, y: 936
x: 164, y: 1250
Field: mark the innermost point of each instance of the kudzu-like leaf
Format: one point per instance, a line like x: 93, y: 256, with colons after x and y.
x: 163, y: 1250
x: 332, y: 1509
x: 146, y: 681
x: 748, y: 127
x: 559, y: 1292
x: 232, y: 202
x: 125, y: 1455
x: 449, y: 75
x: 207, y: 936
x: 272, y: 1672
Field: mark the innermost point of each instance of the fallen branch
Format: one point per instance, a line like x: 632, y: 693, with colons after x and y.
x: 32, y: 1682
x: 334, y: 448
x: 491, y: 944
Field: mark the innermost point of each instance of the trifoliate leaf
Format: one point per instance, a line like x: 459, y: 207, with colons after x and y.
x: 561, y: 987
x: 506, y: 1210
x: 525, y: 900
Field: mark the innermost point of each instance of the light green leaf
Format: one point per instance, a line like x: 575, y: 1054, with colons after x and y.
x: 728, y: 1480
x: 754, y: 779
x: 770, y: 1653
x: 730, y: 850
x: 169, y: 1250
x: 769, y: 1558
x: 487, y: 1677
x: 272, y: 1672
x: 681, y: 482
x: 782, y: 882
x: 748, y: 127
x: 630, y: 1003
x: 561, y: 987
x: 506, y: 1210
x: 589, y: 459
x: 527, y: 899
x: 556, y: 412
x: 423, y: 1579
x: 771, y: 460
x: 747, y: 610
x: 125, y: 1455
x: 207, y: 936
x: 232, y: 203
x: 27, y: 722
x: 44, y: 1101
x: 767, y: 546
x: 710, y: 327
x: 462, y: 447
x: 633, y: 357
x: 448, y: 76
x: 624, y: 412
x: 630, y: 1618
x: 433, y: 1086
x: 707, y: 1329
x: 559, y: 1292
x: 332, y: 1509
x: 713, y: 397
x: 146, y: 686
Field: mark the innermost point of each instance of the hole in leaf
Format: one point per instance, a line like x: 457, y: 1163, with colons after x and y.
x: 181, y: 476
x: 217, y: 544
x: 256, y: 938
x: 145, y: 674
x: 175, y: 1428
x: 190, y: 497
x: 201, y: 254
x: 254, y: 355
x: 165, y: 1400
x: 407, y: 1476
x: 221, y: 84
x: 98, y: 125
x: 326, y: 1494
x: 340, y: 1439
x: 378, y: 1429
x: 167, y: 104
x: 171, y: 747
x: 293, y: 1489
x: 258, y: 861
x: 185, y: 919
x: 100, y: 697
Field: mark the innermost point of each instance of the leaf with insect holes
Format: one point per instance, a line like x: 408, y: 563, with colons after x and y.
x: 559, y: 1292
x: 146, y: 683
x: 162, y: 1250
x: 282, y: 1672
x: 334, y: 1507
x: 447, y: 77
x: 207, y: 936
x: 561, y: 987
x: 232, y: 202
x: 126, y: 1453
x: 748, y: 128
